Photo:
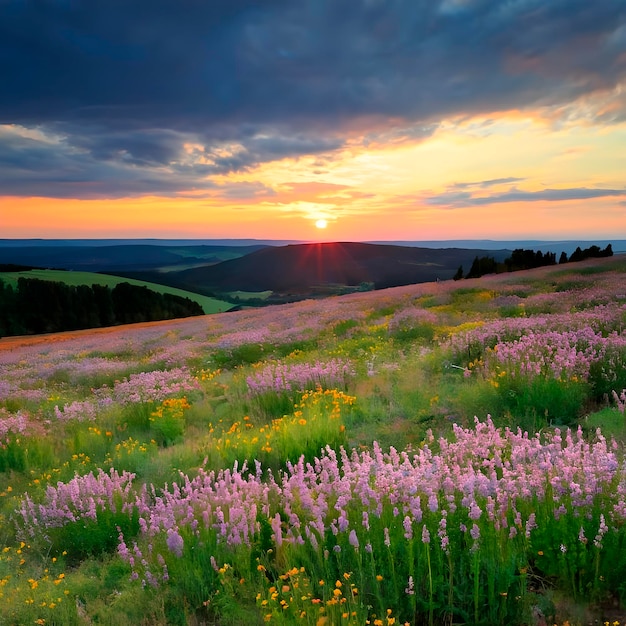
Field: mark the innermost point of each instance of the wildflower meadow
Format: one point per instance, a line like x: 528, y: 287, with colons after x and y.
x: 442, y: 453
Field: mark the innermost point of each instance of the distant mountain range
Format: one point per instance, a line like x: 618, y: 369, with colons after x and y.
x: 556, y: 246
x: 123, y: 257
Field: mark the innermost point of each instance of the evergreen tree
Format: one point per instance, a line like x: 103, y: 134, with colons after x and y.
x: 549, y: 258
x: 41, y: 306
x: 577, y: 255
x: 481, y: 266
x: 103, y: 301
x: 7, y: 308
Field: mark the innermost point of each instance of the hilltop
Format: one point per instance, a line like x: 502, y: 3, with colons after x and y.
x: 326, y: 268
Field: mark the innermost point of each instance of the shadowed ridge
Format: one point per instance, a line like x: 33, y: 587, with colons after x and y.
x: 304, y: 268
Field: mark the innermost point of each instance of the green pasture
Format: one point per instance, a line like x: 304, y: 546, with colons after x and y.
x: 250, y: 295
x: 226, y: 254
x: 200, y: 259
x: 209, y: 305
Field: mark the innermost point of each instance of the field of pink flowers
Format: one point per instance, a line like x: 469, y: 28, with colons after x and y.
x: 446, y: 453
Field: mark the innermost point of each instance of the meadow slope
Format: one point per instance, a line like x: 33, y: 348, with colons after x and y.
x: 439, y: 453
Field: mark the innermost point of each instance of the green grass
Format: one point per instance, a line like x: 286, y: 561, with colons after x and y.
x: 609, y: 420
x: 250, y: 295
x: 209, y: 305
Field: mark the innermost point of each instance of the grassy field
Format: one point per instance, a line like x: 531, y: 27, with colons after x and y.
x: 209, y: 305
x: 447, y: 453
x: 250, y: 295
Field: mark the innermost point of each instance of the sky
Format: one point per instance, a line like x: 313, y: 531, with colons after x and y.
x: 313, y: 120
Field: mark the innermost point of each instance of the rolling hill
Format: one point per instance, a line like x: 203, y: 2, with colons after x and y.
x: 322, y: 267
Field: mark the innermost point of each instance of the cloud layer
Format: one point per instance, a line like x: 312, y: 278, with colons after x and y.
x: 120, y: 98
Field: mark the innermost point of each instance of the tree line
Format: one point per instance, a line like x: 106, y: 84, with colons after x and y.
x: 522, y: 259
x: 41, y: 306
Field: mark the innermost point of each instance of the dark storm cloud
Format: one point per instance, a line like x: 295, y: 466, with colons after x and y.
x: 56, y: 168
x: 103, y: 164
x: 140, y: 147
x: 458, y: 199
x: 128, y: 82
x: 256, y: 149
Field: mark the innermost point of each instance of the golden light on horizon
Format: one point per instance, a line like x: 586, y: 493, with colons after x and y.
x: 466, y: 169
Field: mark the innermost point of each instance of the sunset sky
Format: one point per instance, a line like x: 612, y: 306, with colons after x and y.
x: 380, y: 119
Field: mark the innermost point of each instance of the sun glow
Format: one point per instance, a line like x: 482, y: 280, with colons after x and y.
x: 321, y: 224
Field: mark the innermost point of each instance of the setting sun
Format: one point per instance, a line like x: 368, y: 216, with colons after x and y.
x: 321, y: 224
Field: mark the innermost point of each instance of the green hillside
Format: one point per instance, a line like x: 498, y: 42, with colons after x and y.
x: 209, y: 305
